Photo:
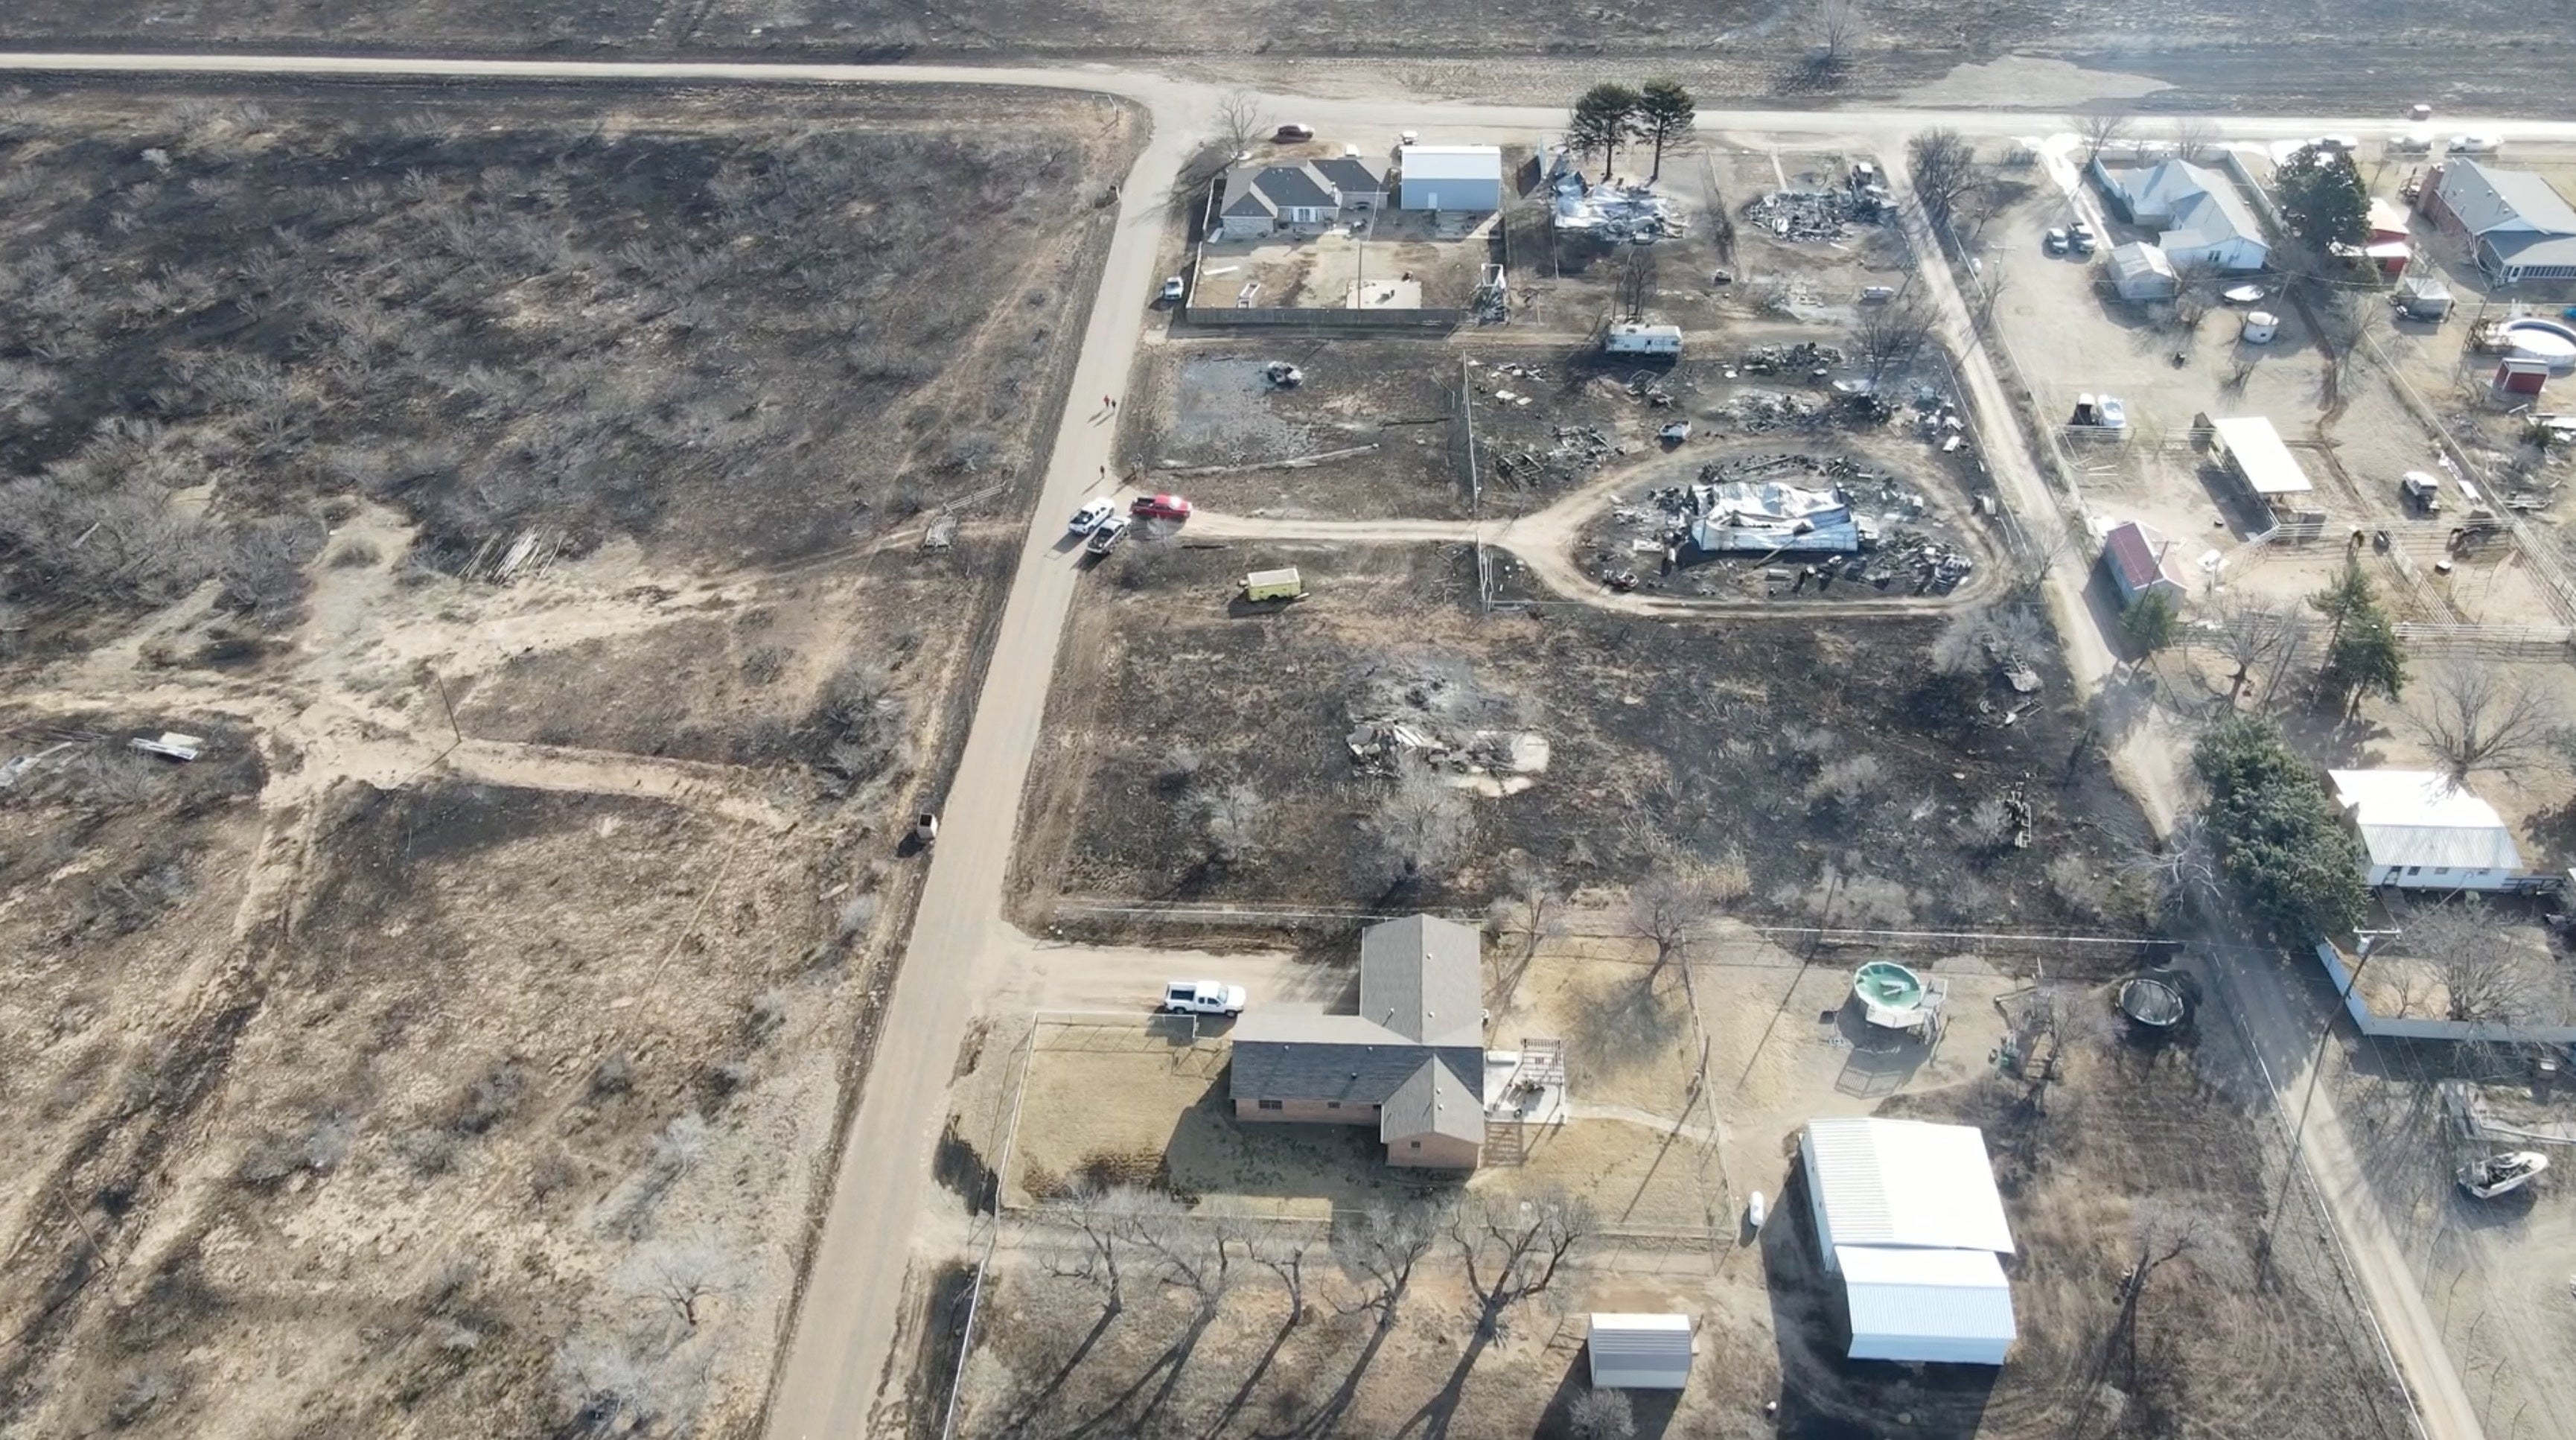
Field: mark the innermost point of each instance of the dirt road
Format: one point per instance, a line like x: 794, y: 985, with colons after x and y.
x: 840, y: 1350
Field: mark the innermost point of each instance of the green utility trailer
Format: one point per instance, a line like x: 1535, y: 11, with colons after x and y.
x: 1274, y: 585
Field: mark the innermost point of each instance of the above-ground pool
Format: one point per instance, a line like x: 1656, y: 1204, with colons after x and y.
x: 2544, y: 340
x: 1890, y: 992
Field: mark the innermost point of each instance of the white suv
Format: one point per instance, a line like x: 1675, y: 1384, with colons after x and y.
x: 1203, y: 997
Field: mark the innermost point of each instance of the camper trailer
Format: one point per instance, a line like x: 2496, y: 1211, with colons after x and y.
x: 1634, y: 338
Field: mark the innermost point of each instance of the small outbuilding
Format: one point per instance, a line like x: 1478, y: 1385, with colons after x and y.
x: 1640, y: 1352
x: 2141, y: 272
x: 2137, y: 558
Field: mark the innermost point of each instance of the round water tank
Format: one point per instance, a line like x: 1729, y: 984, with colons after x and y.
x: 2546, y: 341
x: 2260, y: 327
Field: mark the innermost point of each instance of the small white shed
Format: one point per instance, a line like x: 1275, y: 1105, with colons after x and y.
x: 1640, y: 1352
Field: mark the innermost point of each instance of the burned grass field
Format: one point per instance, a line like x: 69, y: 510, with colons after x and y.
x: 1863, y: 770
x: 726, y: 340
x: 418, y: 1149
x: 527, y: 509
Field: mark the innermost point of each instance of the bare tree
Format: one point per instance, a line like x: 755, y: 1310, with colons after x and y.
x: 2477, y: 717
x: 1671, y: 910
x: 2182, y: 870
x: 1380, y: 1248
x: 1233, y: 822
x: 1514, y: 1249
x: 2101, y: 130
x: 1239, y: 121
x: 2194, y: 136
x: 1420, y: 826
x: 1203, y: 1256
x: 1529, y: 917
x: 2162, y: 1231
x: 1891, y: 335
x: 1943, y: 165
x: 1636, y: 281
x: 1286, y: 1262
x: 1106, y: 1221
x: 2046, y: 1021
x: 2487, y: 978
x: 683, y: 1275
x: 2250, y: 633
x: 1837, y: 25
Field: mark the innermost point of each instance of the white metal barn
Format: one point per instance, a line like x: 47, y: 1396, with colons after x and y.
x: 1640, y: 1352
x: 1451, y: 177
x: 1947, y: 1305
x: 1908, y: 1215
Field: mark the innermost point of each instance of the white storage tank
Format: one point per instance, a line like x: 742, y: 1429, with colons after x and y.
x: 2260, y: 327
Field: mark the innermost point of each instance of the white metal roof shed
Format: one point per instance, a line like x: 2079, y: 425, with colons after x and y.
x: 2260, y: 457
x: 1452, y: 162
x: 2421, y: 817
x: 1905, y: 1183
x: 1948, y: 1306
x: 1640, y: 1352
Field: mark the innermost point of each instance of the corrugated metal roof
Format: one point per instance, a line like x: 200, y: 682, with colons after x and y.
x: 1908, y: 1183
x: 2265, y: 462
x: 2423, y: 817
x: 1633, y: 1338
x: 1452, y: 162
x: 2134, y: 559
x: 1939, y: 1295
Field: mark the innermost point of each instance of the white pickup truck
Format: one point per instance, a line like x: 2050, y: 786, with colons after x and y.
x: 1203, y: 997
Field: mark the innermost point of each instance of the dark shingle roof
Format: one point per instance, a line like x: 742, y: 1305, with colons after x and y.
x: 1268, y: 189
x: 1423, y: 978
x: 1417, y: 1048
x: 1351, y: 175
x: 1433, y: 1101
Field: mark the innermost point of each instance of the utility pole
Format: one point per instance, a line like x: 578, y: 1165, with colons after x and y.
x: 2366, y: 942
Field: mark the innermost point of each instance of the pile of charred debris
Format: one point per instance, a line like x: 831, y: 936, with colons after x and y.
x: 1827, y: 212
x: 1834, y: 520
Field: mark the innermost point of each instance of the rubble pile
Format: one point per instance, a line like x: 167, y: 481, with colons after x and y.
x: 1823, y: 214
x: 1759, y: 410
x: 1804, y: 358
x: 1617, y: 214
x: 1846, y: 522
x: 1577, y: 450
x: 1438, y: 716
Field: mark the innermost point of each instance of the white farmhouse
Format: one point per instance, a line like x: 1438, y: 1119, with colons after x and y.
x: 2424, y: 831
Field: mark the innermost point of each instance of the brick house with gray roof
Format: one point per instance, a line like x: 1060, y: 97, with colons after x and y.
x: 1310, y: 194
x: 1411, y: 1062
